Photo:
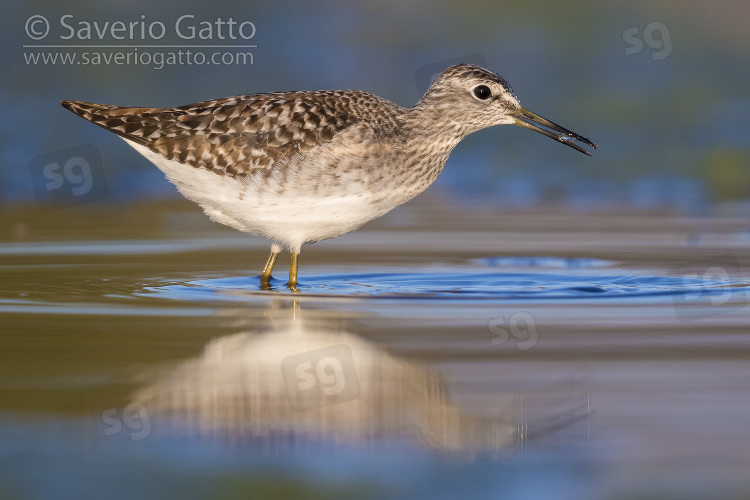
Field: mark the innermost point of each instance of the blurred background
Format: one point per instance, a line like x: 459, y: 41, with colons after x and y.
x: 660, y: 86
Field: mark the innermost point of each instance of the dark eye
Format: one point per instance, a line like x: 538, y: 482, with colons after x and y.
x: 482, y: 92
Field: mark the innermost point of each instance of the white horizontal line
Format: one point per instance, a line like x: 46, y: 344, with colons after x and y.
x: 137, y: 46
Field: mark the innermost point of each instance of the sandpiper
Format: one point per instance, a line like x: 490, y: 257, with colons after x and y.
x: 300, y: 167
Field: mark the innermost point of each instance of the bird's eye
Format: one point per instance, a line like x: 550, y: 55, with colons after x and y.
x: 482, y: 92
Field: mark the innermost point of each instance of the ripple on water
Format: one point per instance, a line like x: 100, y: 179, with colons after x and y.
x: 526, y: 278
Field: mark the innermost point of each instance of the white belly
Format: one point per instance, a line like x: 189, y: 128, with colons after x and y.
x: 290, y: 220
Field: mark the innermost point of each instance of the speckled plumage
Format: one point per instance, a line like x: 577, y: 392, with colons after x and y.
x: 240, y: 135
x: 299, y: 167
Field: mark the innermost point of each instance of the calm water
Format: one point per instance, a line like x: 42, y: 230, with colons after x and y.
x: 575, y: 358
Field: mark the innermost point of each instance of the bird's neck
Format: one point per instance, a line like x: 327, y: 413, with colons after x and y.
x: 427, y: 140
x: 431, y: 127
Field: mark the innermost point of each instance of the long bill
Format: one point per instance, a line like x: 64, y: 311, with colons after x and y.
x: 525, y: 118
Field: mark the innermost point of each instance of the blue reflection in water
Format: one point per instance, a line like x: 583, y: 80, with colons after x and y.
x: 566, y: 283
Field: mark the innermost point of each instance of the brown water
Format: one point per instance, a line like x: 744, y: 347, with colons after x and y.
x: 439, y: 352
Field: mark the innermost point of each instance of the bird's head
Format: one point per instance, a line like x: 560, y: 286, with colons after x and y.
x: 468, y: 98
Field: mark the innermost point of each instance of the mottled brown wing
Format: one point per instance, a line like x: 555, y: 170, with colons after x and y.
x: 236, y: 135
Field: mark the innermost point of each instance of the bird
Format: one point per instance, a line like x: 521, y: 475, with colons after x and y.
x: 299, y: 167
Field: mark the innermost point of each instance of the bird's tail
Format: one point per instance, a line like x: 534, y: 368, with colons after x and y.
x: 134, y: 124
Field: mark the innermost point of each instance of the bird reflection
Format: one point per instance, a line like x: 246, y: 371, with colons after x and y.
x: 302, y: 375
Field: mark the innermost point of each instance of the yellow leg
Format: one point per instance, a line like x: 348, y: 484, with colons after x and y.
x: 265, y: 276
x: 292, y: 284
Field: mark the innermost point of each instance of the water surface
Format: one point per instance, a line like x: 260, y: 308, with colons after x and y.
x: 439, y: 363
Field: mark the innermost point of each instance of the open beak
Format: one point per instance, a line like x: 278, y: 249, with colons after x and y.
x: 527, y: 119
